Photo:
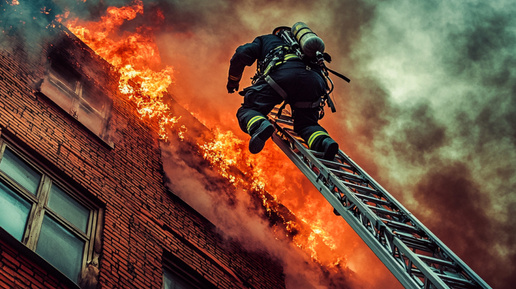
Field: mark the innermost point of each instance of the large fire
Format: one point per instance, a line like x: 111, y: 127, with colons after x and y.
x: 135, y: 55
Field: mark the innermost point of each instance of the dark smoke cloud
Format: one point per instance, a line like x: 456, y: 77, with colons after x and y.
x: 444, y: 137
x: 454, y: 184
x: 39, y: 12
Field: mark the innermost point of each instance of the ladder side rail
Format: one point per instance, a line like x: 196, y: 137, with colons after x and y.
x: 368, y: 235
x: 365, y: 212
x: 324, y: 174
x: 443, y: 248
x: 430, y: 275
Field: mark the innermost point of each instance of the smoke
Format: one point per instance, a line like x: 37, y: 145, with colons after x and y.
x: 237, y: 218
x: 446, y: 135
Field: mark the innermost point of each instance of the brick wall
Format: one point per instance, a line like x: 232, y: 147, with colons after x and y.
x: 142, y: 220
x: 19, y: 270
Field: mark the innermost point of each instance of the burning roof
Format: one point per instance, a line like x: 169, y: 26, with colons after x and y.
x: 135, y: 56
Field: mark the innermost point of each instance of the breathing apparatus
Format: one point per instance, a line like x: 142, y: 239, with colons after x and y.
x: 302, y: 41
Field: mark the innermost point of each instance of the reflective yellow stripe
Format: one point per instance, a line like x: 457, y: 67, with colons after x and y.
x: 266, y: 71
x: 290, y: 56
x: 252, y: 121
x: 315, y: 135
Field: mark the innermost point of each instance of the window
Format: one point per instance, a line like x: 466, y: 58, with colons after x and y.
x: 174, y: 281
x: 45, y: 215
x: 78, y: 96
x: 178, y: 275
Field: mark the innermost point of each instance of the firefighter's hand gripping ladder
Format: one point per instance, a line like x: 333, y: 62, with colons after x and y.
x: 415, y: 256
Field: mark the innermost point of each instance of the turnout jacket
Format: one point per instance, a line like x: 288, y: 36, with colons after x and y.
x: 247, y: 54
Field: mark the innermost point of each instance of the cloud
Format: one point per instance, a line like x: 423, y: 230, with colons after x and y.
x: 449, y: 136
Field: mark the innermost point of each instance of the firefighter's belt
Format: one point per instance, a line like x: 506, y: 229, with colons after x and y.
x: 306, y: 104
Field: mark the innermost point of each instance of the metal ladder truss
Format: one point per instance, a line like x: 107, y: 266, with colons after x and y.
x: 415, y: 256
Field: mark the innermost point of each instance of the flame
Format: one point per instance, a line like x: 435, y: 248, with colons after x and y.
x: 133, y: 55
x: 227, y: 152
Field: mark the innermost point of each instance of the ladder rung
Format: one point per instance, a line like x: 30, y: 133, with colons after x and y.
x: 284, y: 121
x: 336, y: 165
x: 346, y: 175
x: 438, y: 261
x: 400, y: 225
x: 384, y: 210
x: 412, y: 242
x: 457, y: 282
x: 359, y: 187
x: 373, y: 199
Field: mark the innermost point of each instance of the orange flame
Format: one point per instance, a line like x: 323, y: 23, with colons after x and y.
x: 133, y: 55
x: 227, y: 152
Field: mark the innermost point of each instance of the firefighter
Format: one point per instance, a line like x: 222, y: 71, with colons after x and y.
x: 297, y: 81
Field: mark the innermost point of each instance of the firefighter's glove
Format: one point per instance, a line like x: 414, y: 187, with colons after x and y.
x: 232, y: 86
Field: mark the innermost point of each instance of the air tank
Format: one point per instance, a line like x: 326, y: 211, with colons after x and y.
x: 310, y: 43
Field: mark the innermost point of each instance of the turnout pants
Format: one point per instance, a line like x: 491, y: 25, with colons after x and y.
x: 301, y: 85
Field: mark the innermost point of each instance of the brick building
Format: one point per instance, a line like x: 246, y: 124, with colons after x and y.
x: 82, y: 188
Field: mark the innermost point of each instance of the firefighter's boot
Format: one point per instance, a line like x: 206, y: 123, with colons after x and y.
x: 259, y: 136
x: 329, y: 148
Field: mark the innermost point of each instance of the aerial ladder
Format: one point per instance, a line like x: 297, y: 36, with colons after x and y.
x: 414, y: 255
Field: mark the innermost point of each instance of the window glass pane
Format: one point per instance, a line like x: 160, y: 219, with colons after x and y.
x: 13, y: 212
x: 61, y: 203
x: 91, y: 118
x: 95, y: 98
x: 94, y: 108
x: 61, y: 248
x: 59, y: 93
x: 19, y: 171
x: 65, y: 74
x: 173, y: 281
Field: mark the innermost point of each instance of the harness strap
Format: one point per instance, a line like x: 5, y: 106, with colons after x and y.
x: 276, y: 87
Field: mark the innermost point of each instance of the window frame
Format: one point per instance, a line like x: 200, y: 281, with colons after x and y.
x: 78, y: 92
x: 39, y: 208
x: 77, y: 104
x: 177, y: 267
